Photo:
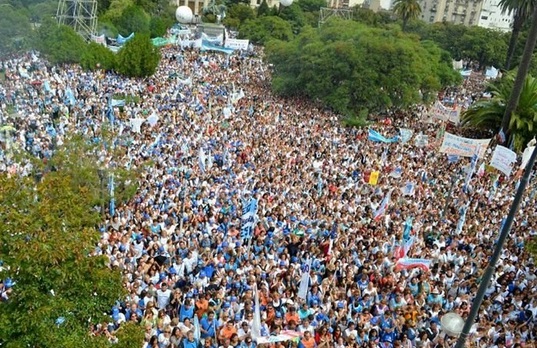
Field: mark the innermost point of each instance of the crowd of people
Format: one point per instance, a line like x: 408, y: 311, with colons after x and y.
x: 219, y: 138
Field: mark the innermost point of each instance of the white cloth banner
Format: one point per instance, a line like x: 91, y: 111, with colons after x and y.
x: 454, y: 115
x: 503, y: 159
x: 217, y: 40
x: 464, y: 147
x: 422, y: 140
x: 526, y: 156
x: 305, y: 280
x: 237, y: 44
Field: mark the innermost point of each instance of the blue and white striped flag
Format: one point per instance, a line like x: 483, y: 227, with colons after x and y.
x: 201, y: 159
x: 117, y: 102
x: 470, y: 173
x: 377, y: 137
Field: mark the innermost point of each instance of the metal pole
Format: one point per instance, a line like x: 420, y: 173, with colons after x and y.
x: 489, y: 271
x: 454, y: 180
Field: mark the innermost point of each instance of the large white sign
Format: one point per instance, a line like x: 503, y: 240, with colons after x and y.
x: 464, y: 147
x: 503, y: 159
x: 237, y: 44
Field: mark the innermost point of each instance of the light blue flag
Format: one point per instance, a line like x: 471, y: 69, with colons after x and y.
x: 408, y: 228
x: 377, y: 137
x: 118, y: 102
x: 70, y: 96
x: 406, y: 134
x: 197, y: 330
x: 396, y: 173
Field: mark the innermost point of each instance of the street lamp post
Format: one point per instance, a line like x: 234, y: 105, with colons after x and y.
x: 100, y: 172
x: 489, y: 271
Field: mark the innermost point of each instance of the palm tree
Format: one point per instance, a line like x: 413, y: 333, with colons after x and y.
x: 406, y: 10
x: 522, y: 10
x: 488, y: 113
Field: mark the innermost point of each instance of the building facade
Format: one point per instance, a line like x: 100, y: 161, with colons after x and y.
x: 484, y: 13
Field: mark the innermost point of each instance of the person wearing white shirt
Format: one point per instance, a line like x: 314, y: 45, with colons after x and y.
x: 163, y: 296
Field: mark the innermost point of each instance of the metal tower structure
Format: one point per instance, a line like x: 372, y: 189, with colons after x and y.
x: 81, y: 15
x: 328, y: 12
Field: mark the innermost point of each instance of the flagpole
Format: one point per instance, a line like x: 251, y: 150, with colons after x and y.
x: 454, y: 180
x: 489, y: 271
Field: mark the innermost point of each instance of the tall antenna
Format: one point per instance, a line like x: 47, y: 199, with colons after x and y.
x: 81, y: 15
x: 329, y: 12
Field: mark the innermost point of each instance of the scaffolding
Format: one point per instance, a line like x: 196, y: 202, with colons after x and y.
x: 81, y: 15
x: 328, y: 12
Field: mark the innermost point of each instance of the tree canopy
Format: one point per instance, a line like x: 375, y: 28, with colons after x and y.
x: 351, y: 66
x: 48, y: 237
x: 138, y: 57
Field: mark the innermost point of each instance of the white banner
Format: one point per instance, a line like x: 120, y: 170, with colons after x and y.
x: 304, y: 282
x: 503, y: 159
x: 439, y: 111
x: 526, y: 156
x: 422, y: 140
x: 237, y: 44
x: 454, y: 115
x: 217, y: 40
x: 464, y: 147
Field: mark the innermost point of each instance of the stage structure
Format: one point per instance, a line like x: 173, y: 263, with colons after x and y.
x: 81, y: 15
x: 328, y: 12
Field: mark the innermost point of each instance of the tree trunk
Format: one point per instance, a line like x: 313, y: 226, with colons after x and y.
x: 521, y: 75
x: 517, y: 26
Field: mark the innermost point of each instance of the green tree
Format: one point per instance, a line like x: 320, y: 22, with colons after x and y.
x: 522, y: 11
x: 240, y: 11
x: 294, y: 15
x: 133, y: 20
x: 42, y: 10
x: 59, y: 43
x: 14, y: 30
x: 407, y: 10
x: 488, y: 113
x: 263, y: 9
x: 138, y: 57
x: 48, y: 238
x: 158, y: 26
x: 96, y: 56
x: 115, y: 10
x: 352, y: 67
x: 485, y: 46
x: 263, y: 29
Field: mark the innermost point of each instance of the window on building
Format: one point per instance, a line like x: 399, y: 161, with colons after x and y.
x: 484, y: 18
